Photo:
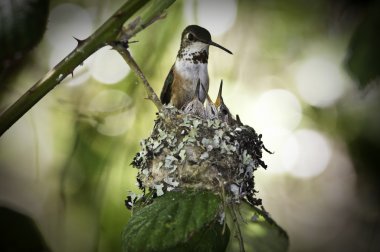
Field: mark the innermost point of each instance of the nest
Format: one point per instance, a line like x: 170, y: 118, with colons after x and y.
x: 186, y: 151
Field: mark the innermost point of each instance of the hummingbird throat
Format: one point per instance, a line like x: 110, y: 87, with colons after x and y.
x: 193, y: 56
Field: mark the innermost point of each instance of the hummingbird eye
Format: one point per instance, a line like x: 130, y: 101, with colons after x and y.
x: 190, y: 36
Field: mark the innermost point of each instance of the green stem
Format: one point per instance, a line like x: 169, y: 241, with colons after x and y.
x: 105, y: 34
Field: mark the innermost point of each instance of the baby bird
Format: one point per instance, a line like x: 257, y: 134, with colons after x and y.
x: 223, y: 111
x: 195, y: 106
x: 210, y: 111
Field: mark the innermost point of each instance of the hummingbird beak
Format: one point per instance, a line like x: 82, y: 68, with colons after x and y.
x: 219, y: 46
x: 219, y: 99
x: 208, y: 97
x: 238, y: 120
x: 210, y: 42
x: 197, y: 89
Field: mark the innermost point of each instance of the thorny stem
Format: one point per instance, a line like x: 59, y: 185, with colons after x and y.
x: 123, y: 50
x: 107, y: 33
x: 235, y: 220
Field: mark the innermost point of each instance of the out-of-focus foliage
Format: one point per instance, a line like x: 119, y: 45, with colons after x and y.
x: 22, y: 24
x: 19, y: 233
x: 360, y: 125
x: 364, y: 53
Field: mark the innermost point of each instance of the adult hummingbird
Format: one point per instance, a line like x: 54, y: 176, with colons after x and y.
x: 189, y: 67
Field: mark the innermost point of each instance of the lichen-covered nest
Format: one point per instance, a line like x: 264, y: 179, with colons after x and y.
x: 187, y: 151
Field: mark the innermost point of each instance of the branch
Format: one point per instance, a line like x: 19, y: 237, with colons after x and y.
x: 106, y: 34
x: 123, y: 50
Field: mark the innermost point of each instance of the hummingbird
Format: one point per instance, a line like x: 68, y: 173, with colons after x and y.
x: 211, y: 111
x: 189, y: 67
x: 238, y: 121
x: 195, y: 106
x: 224, y: 113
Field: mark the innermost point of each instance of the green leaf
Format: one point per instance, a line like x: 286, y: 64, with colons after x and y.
x: 260, y: 232
x: 177, y: 221
x: 22, y: 24
x: 214, y: 237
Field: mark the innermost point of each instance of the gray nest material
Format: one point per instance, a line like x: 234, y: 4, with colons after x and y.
x: 187, y: 151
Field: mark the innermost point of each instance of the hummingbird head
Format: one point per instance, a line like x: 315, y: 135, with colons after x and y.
x: 196, y: 39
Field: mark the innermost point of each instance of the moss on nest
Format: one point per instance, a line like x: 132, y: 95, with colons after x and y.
x: 186, y: 151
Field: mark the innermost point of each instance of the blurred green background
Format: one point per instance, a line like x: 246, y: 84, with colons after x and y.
x: 294, y: 77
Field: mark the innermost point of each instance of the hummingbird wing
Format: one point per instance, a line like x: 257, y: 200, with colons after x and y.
x: 166, y: 92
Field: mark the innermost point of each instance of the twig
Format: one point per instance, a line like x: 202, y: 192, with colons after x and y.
x: 122, y: 43
x: 235, y: 220
x: 123, y: 50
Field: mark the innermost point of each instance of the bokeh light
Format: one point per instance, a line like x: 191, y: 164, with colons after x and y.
x: 277, y: 108
x: 320, y: 81
x: 218, y: 16
x: 304, y: 154
x: 284, y: 146
x: 108, y: 66
x: 314, y: 153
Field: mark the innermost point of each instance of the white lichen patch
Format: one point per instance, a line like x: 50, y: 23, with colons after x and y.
x: 187, y: 151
